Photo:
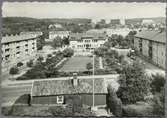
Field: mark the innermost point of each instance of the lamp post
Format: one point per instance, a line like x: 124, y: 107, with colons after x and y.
x: 93, y: 106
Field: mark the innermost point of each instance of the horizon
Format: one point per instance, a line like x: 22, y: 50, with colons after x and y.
x: 92, y: 10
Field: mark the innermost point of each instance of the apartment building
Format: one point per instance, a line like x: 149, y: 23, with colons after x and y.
x: 86, y: 42
x: 152, y: 45
x: 35, y: 33
x: 17, y: 48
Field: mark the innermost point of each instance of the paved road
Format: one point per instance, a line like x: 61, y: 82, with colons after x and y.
x: 12, y: 90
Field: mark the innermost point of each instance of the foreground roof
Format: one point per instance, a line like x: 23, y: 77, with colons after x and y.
x: 61, y: 87
x: 153, y: 35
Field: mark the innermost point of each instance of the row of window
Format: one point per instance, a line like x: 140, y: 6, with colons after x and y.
x: 17, y: 54
x: 87, y: 41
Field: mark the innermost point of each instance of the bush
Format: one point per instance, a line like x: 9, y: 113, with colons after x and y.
x: 157, y: 83
x: 114, y: 103
x: 19, y: 64
x: 30, y: 63
x: 14, y: 70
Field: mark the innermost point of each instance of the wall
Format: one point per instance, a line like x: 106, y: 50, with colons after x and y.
x: 145, y: 48
x: 85, y: 99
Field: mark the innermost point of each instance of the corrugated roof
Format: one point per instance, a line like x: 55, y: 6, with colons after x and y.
x: 8, y: 39
x: 60, y: 87
x: 154, y: 35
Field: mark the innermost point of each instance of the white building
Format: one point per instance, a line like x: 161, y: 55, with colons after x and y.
x: 17, y: 48
x: 86, y: 42
x: 55, y: 26
x: 61, y: 34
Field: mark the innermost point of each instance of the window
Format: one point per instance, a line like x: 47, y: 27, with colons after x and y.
x: 60, y: 99
x: 6, y: 50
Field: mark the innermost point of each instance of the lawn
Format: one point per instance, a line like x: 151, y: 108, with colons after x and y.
x: 75, y: 64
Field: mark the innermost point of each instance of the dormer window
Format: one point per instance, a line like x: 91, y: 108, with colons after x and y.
x: 60, y: 99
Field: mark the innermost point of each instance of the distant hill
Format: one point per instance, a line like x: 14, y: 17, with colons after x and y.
x: 13, y: 25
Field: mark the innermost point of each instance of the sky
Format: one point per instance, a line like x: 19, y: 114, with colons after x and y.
x: 83, y: 10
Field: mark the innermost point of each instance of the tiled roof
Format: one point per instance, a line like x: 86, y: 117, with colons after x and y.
x: 153, y: 35
x: 79, y: 36
x: 8, y: 39
x: 60, y: 87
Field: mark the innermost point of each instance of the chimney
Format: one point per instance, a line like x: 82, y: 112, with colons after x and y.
x: 75, y: 80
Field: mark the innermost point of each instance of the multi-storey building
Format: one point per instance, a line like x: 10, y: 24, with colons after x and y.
x: 152, y: 45
x: 86, y: 42
x: 17, y: 48
x: 61, y: 34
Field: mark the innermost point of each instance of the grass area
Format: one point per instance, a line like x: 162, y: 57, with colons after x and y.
x: 75, y: 64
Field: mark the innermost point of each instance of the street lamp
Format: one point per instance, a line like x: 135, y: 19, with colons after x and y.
x: 93, y: 106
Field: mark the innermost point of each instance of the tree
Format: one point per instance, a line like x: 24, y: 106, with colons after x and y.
x: 89, y: 66
x: 100, y: 51
x: 134, y: 84
x: 159, y: 103
x: 57, y: 42
x: 68, y: 52
x: 14, y: 70
x: 30, y: 63
x: 113, y: 102
x: 65, y: 41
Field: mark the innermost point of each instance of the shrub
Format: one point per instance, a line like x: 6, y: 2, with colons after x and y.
x: 30, y: 63
x: 19, y: 64
x: 133, y: 110
x: 49, y: 55
x: 157, y: 83
x: 134, y: 85
x: 159, y: 103
x: 40, y: 59
x: 114, y: 103
x: 68, y: 52
x: 14, y: 70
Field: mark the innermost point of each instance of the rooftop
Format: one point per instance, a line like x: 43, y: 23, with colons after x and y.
x: 15, y: 38
x: 154, y: 35
x: 79, y: 36
x: 60, y: 87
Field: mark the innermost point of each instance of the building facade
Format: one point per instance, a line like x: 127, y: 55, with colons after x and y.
x: 61, y: 34
x: 86, y: 42
x: 60, y: 92
x: 18, y: 48
x: 152, y: 45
